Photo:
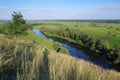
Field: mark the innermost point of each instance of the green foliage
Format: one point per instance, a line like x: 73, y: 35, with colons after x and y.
x: 115, y: 54
x: 102, y: 45
x: 91, y: 42
x: 17, y: 19
x: 58, y: 47
x: 18, y: 26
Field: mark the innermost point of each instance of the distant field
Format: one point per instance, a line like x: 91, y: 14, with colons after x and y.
x: 106, y: 31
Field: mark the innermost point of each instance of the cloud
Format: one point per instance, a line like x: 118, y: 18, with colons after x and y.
x: 24, y: 9
x: 110, y: 7
x: 2, y: 8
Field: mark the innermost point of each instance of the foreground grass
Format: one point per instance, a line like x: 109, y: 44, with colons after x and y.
x: 20, y: 61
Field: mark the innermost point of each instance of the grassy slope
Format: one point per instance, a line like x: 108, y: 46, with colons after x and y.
x: 102, y: 32
x: 31, y: 37
x: 24, y: 62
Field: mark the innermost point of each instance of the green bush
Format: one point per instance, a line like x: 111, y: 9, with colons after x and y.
x: 58, y: 47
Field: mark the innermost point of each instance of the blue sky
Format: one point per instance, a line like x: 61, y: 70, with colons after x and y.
x: 61, y: 9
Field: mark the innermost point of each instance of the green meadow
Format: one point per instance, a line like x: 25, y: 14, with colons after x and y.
x: 106, y: 31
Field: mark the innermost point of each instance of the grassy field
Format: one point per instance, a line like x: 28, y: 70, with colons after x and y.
x: 22, y: 61
x: 109, y: 32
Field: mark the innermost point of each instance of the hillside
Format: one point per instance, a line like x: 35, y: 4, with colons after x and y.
x: 21, y: 61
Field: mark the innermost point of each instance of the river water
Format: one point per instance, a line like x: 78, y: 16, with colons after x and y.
x: 75, y: 52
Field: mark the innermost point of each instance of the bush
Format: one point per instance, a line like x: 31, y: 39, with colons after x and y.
x: 115, y: 54
x: 58, y: 47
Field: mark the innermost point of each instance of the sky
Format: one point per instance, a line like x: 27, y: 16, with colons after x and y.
x: 61, y: 9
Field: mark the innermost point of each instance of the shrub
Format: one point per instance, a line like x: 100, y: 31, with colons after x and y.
x: 58, y: 47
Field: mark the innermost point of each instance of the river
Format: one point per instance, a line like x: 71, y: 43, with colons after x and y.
x: 76, y: 53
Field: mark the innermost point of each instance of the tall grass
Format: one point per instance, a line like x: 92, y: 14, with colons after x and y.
x: 63, y: 67
x: 20, y: 61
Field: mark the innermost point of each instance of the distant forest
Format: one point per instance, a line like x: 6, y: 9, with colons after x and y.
x: 87, y: 20
x: 81, y: 20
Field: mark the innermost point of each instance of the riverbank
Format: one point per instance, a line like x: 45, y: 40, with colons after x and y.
x: 94, y: 58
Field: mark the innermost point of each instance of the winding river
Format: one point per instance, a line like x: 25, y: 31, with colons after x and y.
x: 75, y: 52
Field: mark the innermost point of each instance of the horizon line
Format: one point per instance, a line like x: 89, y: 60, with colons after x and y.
x: 56, y: 19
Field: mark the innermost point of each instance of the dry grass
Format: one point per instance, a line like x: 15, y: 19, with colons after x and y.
x: 63, y: 67
x: 19, y: 61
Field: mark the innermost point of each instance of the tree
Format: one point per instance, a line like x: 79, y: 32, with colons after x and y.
x: 91, y: 41
x: 18, y: 19
x: 83, y: 38
x: 19, y: 24
x: 102, y: 46
x: 116, y: 53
